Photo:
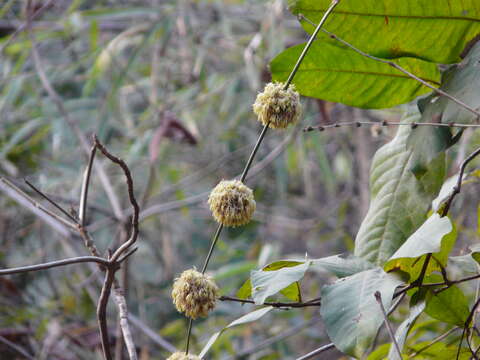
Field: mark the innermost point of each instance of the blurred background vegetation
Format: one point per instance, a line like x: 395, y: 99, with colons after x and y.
x: 167, y: 85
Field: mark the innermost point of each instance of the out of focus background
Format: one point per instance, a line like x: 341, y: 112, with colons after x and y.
x: 168, y: 86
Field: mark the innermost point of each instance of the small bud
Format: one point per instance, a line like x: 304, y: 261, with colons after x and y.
x: 183, y: 356
x: 194, y: 293
x: 278, y: 107
x: 232, y: 203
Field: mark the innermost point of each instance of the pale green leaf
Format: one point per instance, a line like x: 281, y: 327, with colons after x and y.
x: 350, y: 311
x: 399, y: 201
x: 267, y: 283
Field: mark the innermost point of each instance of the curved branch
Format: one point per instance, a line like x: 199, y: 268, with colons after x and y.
x: 52, y: 264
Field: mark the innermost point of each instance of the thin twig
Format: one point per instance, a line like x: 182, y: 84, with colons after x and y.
x: 131, y: 197
x: 17, y: 348
x: 458, y: 186
x: 434, y: 341
x: 102, y: 312
x: 85, y: 186
x: 212, y: 246
x: 399, y: 68
x: 52, y: 264
x: 63, y: 211
x: 119, y: 298
x: 378, y: 298
x: 316, y: 352
x: 388, y: 123
x: 313, y: 302
x: 54, y: 220
x: 318, y: 27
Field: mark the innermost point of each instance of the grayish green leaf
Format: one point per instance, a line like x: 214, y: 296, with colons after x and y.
x: 399, y: 201
x: 351, y: 314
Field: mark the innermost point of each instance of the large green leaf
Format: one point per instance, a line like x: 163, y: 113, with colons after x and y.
x: 351, y: 314
x: 337, y: 73
x: 399, y: 201
x: 434, y: 30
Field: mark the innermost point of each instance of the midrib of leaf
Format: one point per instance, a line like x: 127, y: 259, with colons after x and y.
x: 416, y: 17
x: 433, y: 82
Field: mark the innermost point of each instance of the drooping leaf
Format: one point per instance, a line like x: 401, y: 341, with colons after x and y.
x: 461, y: 81
x: 416, y: 308
x: 427, y: 238
x: 351, y: 314
x: 437, y: 236
x: 253, y: 316
x: 270, y: 282
x: 427, y: 142
x: 338, y: 74
x: 245, y: 290
x: 450, y: 306
x: 399, y: 201
x: 445, y: 191
x: 341, y: 266
x: 390, y: 28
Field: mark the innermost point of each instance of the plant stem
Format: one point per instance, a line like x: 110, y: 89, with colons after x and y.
x: 259, y: 142
x: 310, y: 41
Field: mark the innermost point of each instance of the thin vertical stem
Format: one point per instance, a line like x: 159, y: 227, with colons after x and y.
x: 310, y: 41
x: 254, y: 152
x: 212, y: 246
x: 189, y: 333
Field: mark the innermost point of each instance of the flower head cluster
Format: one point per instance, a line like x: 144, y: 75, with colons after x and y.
x: 194, y: 293
x: 232, y: 203
x: 278, y: 107
x: 183, y: 356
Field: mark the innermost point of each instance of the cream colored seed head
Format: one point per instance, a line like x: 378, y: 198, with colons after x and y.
x: 232, y: 203
x: 183, y: 356
x: 278, y: 107
x: 194, y: 293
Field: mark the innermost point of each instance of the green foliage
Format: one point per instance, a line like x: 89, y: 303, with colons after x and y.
x: 417, y: 307
x: 391, y: 29
x: 461, y: 81
x: 350, y: 311
x: 437, y: 236
x: 399, y: 201
x: 339, y: 74
x: 450, y: 306
x: 267, y: 282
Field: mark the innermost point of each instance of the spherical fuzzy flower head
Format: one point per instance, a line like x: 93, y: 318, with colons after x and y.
x: 278, y: 107
x: 194, y: 293
x: 183, y: 356
x: 232, y: 203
